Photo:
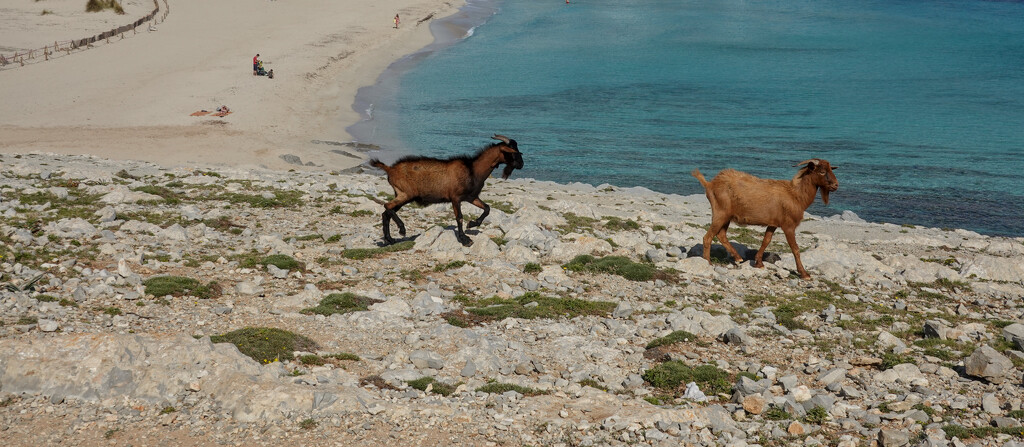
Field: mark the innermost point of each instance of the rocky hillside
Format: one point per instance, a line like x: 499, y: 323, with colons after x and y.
x: 209, y: 306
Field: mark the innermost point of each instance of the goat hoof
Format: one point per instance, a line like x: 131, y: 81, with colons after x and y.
x: 467, y: 242
x: 388, y: 241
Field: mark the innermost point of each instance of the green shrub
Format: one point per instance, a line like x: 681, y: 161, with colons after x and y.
x: 816, y: 415
x: 674, y: 337
x: 180, y: 286
x: 343, y: 356
x: 499, y: 388
x: 449, y: 266
x: 312, y: 359
x: 614, y: 223
x: 532, y: 267
x: 441, y: 388
x: 786, y: 316
x: 673, y: 374
x: 890, y: 360
x: 266, y: 345
x: 615, y: 265
x: 547, y: 307
x: 340, y: 303
x: 777, y: 414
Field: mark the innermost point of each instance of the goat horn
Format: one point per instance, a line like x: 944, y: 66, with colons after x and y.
x: 813, y: 160
x: 500, y: 137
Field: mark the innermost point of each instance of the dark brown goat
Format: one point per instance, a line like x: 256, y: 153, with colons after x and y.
x: 459, y: 179
x: 744, y: 199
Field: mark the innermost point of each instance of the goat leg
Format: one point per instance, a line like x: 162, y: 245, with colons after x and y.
x: 764, y: 244
x: 459, y: 234
x: 791, y: 238
x: 386, y: 225
x: 391, y: 213
x: 479, y: 220
x: 728, y: 247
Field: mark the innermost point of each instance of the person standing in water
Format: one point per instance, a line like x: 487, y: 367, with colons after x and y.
x: 396, y: 21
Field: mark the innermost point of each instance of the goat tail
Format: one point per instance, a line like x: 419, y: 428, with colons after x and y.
x: 378, y: 164
x: 700, y: 177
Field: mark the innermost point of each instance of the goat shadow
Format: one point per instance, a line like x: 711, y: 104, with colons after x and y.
x: 451, y: 228
x: 720, y: 255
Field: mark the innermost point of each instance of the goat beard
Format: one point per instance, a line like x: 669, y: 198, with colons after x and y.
x: 507, y: 172
x: 824, y: 195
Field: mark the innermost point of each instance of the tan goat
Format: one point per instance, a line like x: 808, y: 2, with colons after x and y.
x: 459, y: 179
x: 747, y: 200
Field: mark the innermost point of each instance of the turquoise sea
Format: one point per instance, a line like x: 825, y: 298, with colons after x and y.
x: 920, y: 103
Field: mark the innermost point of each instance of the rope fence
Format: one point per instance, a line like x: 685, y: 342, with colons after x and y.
x: 66, y: 47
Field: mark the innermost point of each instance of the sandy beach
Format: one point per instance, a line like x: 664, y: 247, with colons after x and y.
x: 133, y: 98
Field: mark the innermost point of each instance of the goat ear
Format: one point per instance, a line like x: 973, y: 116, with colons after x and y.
x: 833, y: 168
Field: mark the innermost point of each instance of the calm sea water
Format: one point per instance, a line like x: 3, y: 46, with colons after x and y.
x: 919, y: 103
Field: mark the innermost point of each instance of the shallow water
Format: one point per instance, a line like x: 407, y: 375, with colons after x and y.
x: 919, y: 103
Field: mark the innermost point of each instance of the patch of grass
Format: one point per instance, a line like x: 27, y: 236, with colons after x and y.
x: 496, y: 309
x: 890, y: 360
x: 576, y: 224
x: 593, y: 384
x: 45, y: 298
x: 340, y: 303
x: 361, y: 213
x: 673, y: 338
x: 959, y: 431
x: 308, y: 424
x: 617, y: 265
x: 367, y: 253
x: 281, y: 261
x: 441, y: 388
x: 777, y: 414
x: 532, y: 267
x: 168, y: 410
x: 100, y: 5
x: 169, y: 196
x: 266, y: 345
x: 312, y: 359
x: 181, y: 286
x: 505, y: 207
x: 334, y: 238
x: 617, y: 224
x: 786, y: 315
x: 674, y: 374
x: 343, y: 356
x: 449, y: 266
x: 817, y: 415
x: 499, y: 388
x: 28, y: 320
x: 280, y: 199
x: 111, y: 310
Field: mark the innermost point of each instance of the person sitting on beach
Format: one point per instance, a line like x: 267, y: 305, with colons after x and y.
x: 223, y: 109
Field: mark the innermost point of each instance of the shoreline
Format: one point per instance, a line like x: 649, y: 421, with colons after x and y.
x: 198, y: 59
x: 446, y: 31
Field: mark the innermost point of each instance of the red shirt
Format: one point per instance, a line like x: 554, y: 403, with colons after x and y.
x: 255, y: 60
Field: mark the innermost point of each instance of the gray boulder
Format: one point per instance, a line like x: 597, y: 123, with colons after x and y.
x: 989, y: 364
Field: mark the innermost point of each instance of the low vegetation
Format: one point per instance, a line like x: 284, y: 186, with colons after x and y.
x: 528, y: 306
x: 340, y: 303
x: 181, y: 286
x: 617, y: 265
x: 673, y: 375
x: 367, y: 253
x: 266, y: 345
